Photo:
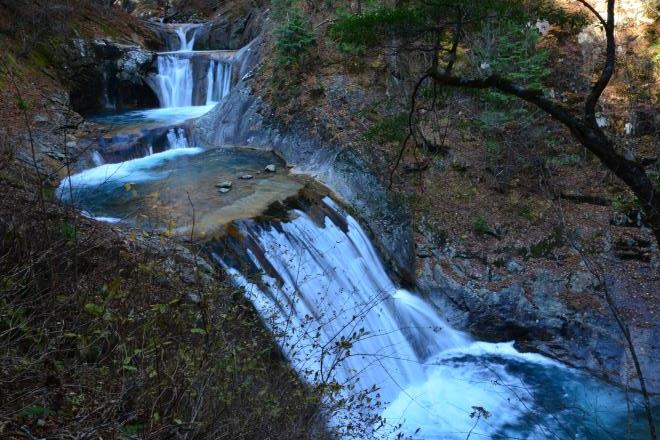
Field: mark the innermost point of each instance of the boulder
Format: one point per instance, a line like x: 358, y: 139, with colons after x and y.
x: 106, y: 75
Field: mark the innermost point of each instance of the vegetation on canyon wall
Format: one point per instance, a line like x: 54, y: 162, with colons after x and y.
x: 115, y: 333
x: 465, y: 149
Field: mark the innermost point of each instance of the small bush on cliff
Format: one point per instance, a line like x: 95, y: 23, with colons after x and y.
x: 294, y: 38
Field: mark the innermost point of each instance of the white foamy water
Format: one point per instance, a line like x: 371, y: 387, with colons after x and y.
x: 218, y: 81
x: 174, y: 81
x: 187, y: 34
x: 176, y: 138
x: 339, y: 317
x: 97, y: 158
x: 179, y: 81
x: 169, y: 115
x: 115, y: 174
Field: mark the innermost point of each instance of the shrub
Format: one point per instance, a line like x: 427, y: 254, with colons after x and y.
x: 481, y: 226
x: 294, y: 38
x: 390, y: 129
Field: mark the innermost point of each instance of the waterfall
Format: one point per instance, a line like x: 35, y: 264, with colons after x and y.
x: 182, y: 32
x: 97, y: 158
x: 176, y: 138
x: 174, y: 82
x: 218, y: 81
x: 187, y: 78
x: 333, y: 281
x: 106, y: 102
x: 339, y: 318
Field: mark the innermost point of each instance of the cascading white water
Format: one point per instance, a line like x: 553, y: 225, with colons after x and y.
x: 339, y: 318
x: 97, y: 158
x: 179, y: 72
x: 105, y: 97
x: 174, y: 81
x: 176, y: 138
x: 182, y: 31
x: 218, y: 80
x: 334, y: 282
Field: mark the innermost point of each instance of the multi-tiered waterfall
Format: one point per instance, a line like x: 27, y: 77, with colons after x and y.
x: 320, y: 286
x: 186, y: 77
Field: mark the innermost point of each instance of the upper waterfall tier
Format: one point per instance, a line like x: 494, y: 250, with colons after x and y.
x: 181, y: 36
x: 191, y: 79
x: 186, y: 77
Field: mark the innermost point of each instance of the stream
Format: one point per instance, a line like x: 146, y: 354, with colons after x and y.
x: 318, y: 282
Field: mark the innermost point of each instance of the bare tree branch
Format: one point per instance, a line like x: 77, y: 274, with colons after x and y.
x: 593, y: 11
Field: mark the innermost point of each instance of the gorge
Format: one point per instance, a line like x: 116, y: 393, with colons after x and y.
x: 308, y: 266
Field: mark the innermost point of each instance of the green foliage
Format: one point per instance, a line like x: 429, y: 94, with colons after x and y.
x: 510, y: 49
x: 547, y: 245
x: 626, y: 204
x: 294, y: 38
x: 562, y: 160
x: 279, y: 9
x: 480, y: 225
x: 94, y: 309
x: 22, y: 104
x: 68, y: 231
x: 492, y: 147
x: 356, y: 33
x: 36, y: 411
x: 549, y: 10
x: 390, y: 129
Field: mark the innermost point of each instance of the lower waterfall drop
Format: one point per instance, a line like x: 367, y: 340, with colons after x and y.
x: 340, y: 319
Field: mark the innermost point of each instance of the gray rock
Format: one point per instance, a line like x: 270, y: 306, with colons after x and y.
x: 105, y: 74
x: 247, y: 176
x: 270, y: 168
x: 535, y: 317
x: 513, y: 266
x: 225, y: 190
x: 225, y: 184
x: 581, y: 282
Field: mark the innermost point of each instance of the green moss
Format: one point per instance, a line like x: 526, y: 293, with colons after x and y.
x: 547, y: 245
x: 390, y: 129
x: 480, y: 225
x: 563, y: 160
